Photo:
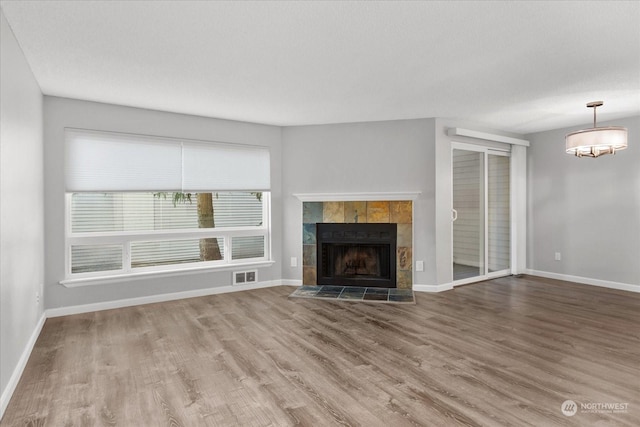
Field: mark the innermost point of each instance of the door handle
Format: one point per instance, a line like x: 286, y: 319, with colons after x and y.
x: 454, y: 215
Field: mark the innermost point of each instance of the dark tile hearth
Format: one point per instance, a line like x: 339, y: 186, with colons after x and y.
x: 376, y: 294
x: 329, y: 291
x: 354, y: 293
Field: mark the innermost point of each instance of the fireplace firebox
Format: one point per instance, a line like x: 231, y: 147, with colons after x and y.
x: 356, y: 254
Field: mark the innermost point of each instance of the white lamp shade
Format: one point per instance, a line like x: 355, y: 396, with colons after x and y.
x: 596, y: 141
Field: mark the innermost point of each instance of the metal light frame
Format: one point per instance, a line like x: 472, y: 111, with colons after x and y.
x: 596, y: 141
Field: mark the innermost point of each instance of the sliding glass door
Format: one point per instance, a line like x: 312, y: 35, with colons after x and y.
x: 498, y: 213
x: 481, y: 213
x: 468, y: 214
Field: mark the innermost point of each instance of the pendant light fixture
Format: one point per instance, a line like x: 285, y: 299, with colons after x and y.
x: 596, y: 141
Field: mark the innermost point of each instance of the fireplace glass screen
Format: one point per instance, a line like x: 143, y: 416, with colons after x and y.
x: 359, y: 261
x: 356, y: 255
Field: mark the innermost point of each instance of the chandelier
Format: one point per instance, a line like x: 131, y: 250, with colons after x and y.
x: 596, y: 141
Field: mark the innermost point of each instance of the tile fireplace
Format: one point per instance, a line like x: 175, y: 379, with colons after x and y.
x: 397, y: 213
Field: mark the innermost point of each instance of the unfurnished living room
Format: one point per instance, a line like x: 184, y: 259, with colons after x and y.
x: 320, y: 213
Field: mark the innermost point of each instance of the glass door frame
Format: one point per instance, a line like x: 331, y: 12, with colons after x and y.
x: 485, y: 164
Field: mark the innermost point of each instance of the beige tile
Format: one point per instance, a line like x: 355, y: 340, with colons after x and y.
x: 401, y: 212
x: 333, y: 212
x: 404, y: 279
x: 404, y: 259
x: 309, y: 276
x: 309, y: 255
x: 405, y: 237
x: 355, y: 212
x: 378, y: 212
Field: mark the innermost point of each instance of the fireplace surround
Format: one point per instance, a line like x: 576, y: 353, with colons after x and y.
x: 355, y: 254
x: 363, y: 211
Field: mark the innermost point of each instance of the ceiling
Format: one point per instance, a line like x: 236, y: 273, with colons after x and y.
x: 522, y: 67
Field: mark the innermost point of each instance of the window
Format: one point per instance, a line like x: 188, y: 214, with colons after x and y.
x: 136, y: 232
x: 138, y: 204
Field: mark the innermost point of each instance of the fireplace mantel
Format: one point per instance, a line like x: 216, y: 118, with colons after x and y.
x: 356, y: 197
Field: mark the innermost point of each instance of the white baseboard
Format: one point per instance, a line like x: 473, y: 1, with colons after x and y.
x: 291, y: 282
x: 433, y: 288
x: 108, y: 305
x: 585, y: 280
x: 22, y: 362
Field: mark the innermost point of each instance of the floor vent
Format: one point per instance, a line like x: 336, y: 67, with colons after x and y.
x: 244, y: 277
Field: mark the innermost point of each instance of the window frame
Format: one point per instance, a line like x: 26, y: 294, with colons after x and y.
x: 125, y: 238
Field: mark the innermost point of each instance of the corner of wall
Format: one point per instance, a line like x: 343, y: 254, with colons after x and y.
x: 21, y: 230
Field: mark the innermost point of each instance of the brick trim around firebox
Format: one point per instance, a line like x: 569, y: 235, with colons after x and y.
x: 399, y: 212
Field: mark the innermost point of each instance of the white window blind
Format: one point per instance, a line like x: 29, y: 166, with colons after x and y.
x: 104, y: 161
x: 123, y: 212
x: 499, y: 206
x: 98, y: 161
x: 225, y: 167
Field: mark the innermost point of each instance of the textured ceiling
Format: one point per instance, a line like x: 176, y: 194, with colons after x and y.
x: 516, y: 66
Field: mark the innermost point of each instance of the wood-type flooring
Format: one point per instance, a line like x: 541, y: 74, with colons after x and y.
x: 506, y: 352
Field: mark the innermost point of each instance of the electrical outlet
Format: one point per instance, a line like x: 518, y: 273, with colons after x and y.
x: 558, y: 256
x: 419, y: 265
x: 294, y: 261
x: 37, y: 298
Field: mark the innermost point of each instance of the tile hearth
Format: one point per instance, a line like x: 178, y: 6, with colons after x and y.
x: 354, y: 293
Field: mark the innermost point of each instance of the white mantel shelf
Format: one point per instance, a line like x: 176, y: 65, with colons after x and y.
x: 356, y: 197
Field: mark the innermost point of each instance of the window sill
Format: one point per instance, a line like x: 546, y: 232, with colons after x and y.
x: 103, y: 280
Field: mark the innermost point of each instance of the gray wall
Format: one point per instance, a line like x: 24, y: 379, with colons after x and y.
x: 60, y: 113
x: 586, y: 209
x: 21, y: 206
x: 390, y: 156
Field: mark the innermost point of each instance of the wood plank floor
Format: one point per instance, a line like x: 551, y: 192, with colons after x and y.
x: 508, y: 351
